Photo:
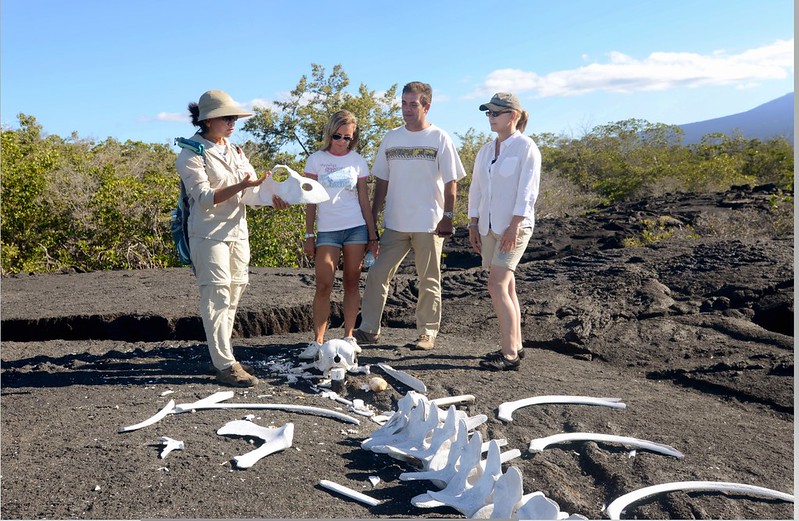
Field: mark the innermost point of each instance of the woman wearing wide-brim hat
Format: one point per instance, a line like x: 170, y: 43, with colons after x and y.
x: 502, y: 196
x: 218, y: 237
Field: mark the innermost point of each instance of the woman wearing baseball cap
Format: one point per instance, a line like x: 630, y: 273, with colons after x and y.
x: 502, y: 197
x: 218, y: 237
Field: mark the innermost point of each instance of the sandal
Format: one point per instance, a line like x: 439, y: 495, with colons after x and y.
x: 520, y: 353
x: 494, y: 362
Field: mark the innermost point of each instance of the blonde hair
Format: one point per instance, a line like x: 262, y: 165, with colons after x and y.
x: 521, y: 124
x: 342, y: 117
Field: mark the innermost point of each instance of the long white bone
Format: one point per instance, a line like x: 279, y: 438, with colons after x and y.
x: 275, y: 406
x: 506, y: 410
x: 403, y: 377
x: 274, y: 440
x: 615, y: 508
x: 446, y: 401
x: 168, y: 408
x: 169, y: 445
x: 346, y: 491
x: 539, y: 444
x: 217, y: 397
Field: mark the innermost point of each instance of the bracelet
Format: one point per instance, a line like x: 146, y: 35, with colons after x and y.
x: 310, y: 235
x: 473, y: 225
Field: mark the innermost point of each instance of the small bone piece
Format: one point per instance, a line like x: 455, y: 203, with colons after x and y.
x: 404, y: 378
x: 449, y: 400
x: 168, y: 408
x: 346, y: 491
x: 507, y: 409
x: 617, y: 506
x: 539, y: 444
x: 169, y: 445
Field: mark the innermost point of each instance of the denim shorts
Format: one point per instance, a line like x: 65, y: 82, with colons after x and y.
x: 355, y: 235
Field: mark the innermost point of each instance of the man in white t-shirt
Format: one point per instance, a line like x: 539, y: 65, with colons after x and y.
x: 417, y: 170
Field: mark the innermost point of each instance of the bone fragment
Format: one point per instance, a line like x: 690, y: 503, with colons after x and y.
x: 449, y: 400
x: 168, y: 408
x: 404, y: 378
x: 274, y: 440
x: 346, y: 491
x: 217, y: 397
x: 274, y: 406
x: 169, y: 445
x: 507, y: 409
x: 539, y: 444
x: 615, y: 508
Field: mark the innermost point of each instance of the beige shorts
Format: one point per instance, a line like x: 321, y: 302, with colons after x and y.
x: 489, y: 250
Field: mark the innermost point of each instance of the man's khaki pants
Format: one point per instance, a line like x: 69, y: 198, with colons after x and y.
x: 394, y: 246
x: 222, y: 274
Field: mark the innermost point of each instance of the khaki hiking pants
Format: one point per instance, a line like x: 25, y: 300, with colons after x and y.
x: 394, y: 246
x: 222, y: 274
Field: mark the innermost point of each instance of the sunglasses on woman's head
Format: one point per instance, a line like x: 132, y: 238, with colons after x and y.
x: 336, y: 137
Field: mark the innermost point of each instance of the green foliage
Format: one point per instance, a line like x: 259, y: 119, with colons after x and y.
x: 663, y: 228
x: 72, y: 203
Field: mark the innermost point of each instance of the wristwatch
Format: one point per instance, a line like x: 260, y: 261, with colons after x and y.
x: 448, y: 214
x: 310, y: 235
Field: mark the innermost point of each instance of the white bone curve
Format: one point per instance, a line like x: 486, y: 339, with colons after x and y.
x: 280, y: 407
x: 506, y: 410
x: 403, y: 377
x: 168, y: 408
x: 346, y: 491
x: 615, y: 508
x: 539, y: 444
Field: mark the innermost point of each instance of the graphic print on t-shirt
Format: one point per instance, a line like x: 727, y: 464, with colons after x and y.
x: 346, y: 178
x: 425, y: 153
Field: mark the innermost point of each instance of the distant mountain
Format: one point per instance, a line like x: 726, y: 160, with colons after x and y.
x: 769, y: 120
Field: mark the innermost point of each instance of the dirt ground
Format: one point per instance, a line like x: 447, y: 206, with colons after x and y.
x: 694, y: 336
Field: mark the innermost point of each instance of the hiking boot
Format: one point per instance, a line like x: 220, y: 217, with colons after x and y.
x: 362, y: 337
x: 354, y: 343
x: 520, y: 352
x: 425, y: 343
x: 246, y: 367
x: 498, y: 362
x: 310, y: 351
x: 236, y: 376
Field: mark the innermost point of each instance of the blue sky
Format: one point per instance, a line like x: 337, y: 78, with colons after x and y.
x: 127, y: 69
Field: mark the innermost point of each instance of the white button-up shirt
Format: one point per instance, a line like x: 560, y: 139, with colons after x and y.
x: 506, y: 185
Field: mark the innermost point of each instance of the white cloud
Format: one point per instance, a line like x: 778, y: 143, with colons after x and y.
x: 181, y: 117
x: 658, y: 71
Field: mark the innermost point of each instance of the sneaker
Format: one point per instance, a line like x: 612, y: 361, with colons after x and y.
x: 362, y: 337
x: 520, y: 352
x: 236, y: 376
x: 354, y: 343
x: 494, y: 362
x: 310, y: 351
x: 425, y: 343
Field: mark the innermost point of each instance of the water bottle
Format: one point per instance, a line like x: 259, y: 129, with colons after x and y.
x: 368, y: 260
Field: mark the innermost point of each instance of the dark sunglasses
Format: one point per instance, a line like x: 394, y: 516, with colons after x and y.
x: 230, y: 119
x: 496, y: 114
x: 336, y: 137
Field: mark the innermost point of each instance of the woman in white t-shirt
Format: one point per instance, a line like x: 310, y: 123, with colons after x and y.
x: 344, y: 223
